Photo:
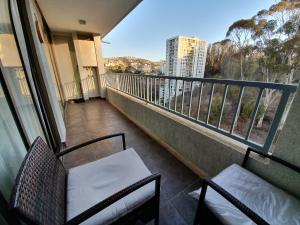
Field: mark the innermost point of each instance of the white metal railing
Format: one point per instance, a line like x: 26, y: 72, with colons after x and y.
x: 230, y: 107
x: 76, y: 89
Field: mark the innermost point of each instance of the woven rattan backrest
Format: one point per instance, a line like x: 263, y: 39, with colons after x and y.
x: 39, y: 193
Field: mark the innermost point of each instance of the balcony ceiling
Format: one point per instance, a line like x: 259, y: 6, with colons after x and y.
x: 101, y: 16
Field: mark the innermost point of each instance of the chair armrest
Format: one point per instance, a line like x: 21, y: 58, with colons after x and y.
x: 115, y: 197
x: 71, y: 149
x: 237, y: 203
x: 271, y: 157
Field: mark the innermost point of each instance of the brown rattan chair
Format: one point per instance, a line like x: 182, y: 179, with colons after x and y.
x: 41, y: 194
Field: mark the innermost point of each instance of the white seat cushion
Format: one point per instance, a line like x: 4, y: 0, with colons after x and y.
x: 91, y: 183
x: 272, y: 204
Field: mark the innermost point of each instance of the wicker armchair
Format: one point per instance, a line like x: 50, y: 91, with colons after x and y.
x: 45, y: 193
x: 237, y: 196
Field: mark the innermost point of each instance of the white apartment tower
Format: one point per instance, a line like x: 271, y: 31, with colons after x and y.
x: 186, y: 56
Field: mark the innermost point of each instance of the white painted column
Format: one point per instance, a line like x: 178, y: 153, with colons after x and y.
x: 81, y: 71
x: 100, y: 65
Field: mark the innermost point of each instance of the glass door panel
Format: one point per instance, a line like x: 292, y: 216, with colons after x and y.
x: 14, y: 76
x: 12, y: 149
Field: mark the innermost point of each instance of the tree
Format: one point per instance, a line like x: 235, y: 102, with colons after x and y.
x: 216, y: 55
x: 240, y: 34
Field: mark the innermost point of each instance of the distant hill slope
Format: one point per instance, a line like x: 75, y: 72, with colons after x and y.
x: 128, y: 64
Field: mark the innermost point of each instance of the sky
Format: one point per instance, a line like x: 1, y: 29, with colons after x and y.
x: 143, y: 33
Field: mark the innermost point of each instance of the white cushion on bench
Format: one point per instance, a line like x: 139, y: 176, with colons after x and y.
x: 91, y: 183
x: 272, y: 204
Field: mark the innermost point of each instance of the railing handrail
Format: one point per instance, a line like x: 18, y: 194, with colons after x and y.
x: 145, y: 87
x: 258, y: 84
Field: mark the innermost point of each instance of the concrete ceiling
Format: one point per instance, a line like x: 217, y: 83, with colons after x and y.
x: 101, y: 16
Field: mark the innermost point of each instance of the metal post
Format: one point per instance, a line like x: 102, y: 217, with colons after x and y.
x: 254, y: 113
x: 236, y: 114
x: 222, y: 105
x: 210, y: 101
x: 199, y: 100
x: 182, y: 100
x: 175, y: 104
x: 169, y: 103
x: 155, y: 90
x: 279, y: 112
x: 191, y: 97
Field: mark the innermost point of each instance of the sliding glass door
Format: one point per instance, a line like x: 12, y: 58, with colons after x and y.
x: 12, y: 148
x: 14, y: 76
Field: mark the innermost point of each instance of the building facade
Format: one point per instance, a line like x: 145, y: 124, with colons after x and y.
x: 185, y: 57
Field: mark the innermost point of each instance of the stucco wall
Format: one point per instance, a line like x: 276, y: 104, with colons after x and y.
x: 202, y: 150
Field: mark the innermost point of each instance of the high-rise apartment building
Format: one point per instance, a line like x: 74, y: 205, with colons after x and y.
x: 185, y: 57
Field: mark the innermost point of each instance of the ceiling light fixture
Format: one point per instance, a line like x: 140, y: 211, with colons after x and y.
x: 82, y: 22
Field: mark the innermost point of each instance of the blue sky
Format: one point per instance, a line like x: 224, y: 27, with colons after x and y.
x: 144, y: 31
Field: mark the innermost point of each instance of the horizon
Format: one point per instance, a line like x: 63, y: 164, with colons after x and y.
x: 128, y: 38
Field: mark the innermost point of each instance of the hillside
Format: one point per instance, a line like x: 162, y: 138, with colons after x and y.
x: 128, y: 64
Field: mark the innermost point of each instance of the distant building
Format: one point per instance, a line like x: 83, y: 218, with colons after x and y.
x: 163, y: 67
x: 185, y: 57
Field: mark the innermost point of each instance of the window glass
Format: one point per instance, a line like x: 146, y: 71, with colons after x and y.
x: 12, y: 149
x: 14, y: 76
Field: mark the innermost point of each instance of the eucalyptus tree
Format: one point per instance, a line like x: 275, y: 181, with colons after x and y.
x: 240, y: 33
x: 275, y: 40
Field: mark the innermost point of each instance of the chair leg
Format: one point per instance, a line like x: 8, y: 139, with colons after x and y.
x: 199, y: 217
x: 157, y: 198
x: 156, y: 213
x: 156, y: 219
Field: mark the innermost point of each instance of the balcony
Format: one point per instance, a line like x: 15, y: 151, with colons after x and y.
x: 53, y: 85
x: 172, y: 142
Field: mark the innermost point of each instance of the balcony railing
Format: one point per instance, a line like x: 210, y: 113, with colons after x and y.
x: 247, y: 111
x: 88, y: 85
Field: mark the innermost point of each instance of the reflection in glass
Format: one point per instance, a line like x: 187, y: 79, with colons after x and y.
x: 14, y: 76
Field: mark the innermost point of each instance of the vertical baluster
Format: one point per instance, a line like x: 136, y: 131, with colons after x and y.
x: 236, y: 116
x: 222, y: 105
x: 191, y: 96
x: 175, y: 104
x: 277, y: 118
x: 143, y: 87
x: 164, y: 100
x: 169, y: 84
x: 140, y: 86
x: 182, y: 100
x: 132, y: 85
x: 159, y: 88
x: 147, y: 88
x: 137, y: 86
x: 134, y: 81
x: 254, y: 113
x: 155, y: 90
x: 129, y: 85
x: 126, y: 83
x: 151, y: 80
x: 210, y: 101
x: 199, y: 100
x: 130, y: 89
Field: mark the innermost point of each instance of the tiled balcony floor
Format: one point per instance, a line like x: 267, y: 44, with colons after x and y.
x: 96, y: 118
